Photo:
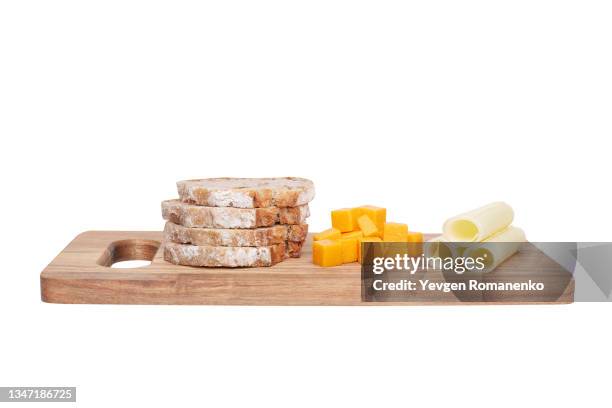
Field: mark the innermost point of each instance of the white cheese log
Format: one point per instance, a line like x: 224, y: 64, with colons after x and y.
x: 498, y: 248
x: 441, y: 247
x: 479, y: 224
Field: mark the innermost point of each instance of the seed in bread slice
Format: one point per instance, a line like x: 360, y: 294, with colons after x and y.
x: 198, y: 216
x: 247, y: 192
x: 218, y: 256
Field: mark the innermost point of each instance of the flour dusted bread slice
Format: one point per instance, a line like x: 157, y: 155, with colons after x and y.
x: 296, y: 236
x: 225, y: 237
x: 247, y: 192
x: 297, y: 233
x: 192, y: 216
x: 293, y: 215
x: 217, y: 256
x: 198, y: 216
x: 235, y: 237
x: 294, y: 249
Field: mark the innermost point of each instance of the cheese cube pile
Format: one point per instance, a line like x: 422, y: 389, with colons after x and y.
x: 350, y: 227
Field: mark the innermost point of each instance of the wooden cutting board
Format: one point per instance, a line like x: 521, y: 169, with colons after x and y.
x: 81, y: 273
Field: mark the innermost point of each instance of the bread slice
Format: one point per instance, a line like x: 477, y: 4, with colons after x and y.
x: 247, y: 192
x: 192, y: 216
x: 294, y: 249
x: 293, y: 215
x: 297, y: 233
x: 235, y: 237
x: 197, y: 216
x: 217, y: 256
x: 225, y: 237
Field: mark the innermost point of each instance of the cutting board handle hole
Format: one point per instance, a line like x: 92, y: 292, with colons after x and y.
x: 118, y: 253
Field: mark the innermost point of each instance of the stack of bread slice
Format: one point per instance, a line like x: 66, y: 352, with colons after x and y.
x: 237, y: 222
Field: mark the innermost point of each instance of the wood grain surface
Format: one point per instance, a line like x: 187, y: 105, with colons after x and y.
x: 81, y: 273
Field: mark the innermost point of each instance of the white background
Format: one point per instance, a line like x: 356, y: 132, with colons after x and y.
x: 428, y: 108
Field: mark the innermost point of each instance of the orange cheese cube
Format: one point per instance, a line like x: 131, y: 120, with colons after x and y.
x: 332, y: 233
x: 414, y: 237
x: 393, y: 248
x: 327, y: 252
x: 347, y: 254
x: 367, y: 226
x: 354, y: 234
x: 342, y: 219
x: 356, y: 212
x: 365, y: 239
x: 376, y: 214
x: 349, y: 249
x: 395, y: 232
x: 415, y: 243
